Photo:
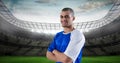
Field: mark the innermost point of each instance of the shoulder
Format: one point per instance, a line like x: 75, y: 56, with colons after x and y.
x: 59, y: 33
x: 76, y: 34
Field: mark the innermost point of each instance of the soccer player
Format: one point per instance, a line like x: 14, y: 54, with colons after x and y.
x: 67, y: 45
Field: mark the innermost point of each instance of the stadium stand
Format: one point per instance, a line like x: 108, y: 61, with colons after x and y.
x: 16, y: 39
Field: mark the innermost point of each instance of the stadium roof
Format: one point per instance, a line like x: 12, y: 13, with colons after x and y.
x: 48, y: 11
x: 111, y: 8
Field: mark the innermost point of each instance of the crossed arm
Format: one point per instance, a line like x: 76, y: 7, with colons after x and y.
x: 58, y: 57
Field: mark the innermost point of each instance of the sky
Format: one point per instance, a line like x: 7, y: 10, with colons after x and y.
x: 48, y: 11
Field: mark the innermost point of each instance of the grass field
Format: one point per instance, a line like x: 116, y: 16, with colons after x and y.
x: 21, y: 59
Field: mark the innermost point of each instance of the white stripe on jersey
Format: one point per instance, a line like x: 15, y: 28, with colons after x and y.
x: 75, y: 45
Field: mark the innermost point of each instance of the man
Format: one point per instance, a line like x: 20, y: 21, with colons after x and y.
x: 67, y: 45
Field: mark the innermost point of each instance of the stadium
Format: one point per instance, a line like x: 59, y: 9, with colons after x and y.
x: 26, y: 39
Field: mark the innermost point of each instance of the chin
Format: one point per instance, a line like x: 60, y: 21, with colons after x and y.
x: 66, y: 26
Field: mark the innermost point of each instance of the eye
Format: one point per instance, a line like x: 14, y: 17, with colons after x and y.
x: 66, y: 16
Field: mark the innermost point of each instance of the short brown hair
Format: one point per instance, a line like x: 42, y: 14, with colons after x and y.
x: 68, y: 9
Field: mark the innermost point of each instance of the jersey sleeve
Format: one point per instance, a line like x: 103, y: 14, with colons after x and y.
x: 52, y: 45
x: 75, y: 45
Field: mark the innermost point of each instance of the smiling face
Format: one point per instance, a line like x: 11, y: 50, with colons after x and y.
x: 66, y: 19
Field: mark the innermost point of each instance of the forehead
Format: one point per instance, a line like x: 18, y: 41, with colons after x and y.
x: 63, y: 13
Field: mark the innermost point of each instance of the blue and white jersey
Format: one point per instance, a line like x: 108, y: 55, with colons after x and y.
x: 70, y: 44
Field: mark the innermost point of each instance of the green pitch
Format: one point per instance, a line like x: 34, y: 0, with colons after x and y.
x: 21, y: 59
x: 101, y: 59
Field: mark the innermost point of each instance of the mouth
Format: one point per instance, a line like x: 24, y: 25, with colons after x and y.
x: 64, y: 23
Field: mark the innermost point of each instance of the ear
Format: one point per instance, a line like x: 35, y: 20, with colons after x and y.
x: 73, y: 18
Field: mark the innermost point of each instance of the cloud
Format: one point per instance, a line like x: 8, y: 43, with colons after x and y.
x: 45, y: 1
x: 93, y: 4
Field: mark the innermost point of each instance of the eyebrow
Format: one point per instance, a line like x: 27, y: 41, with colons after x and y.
x: 64, y: 16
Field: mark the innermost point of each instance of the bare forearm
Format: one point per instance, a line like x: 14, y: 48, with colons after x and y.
x: 58, y: 57
x: 62, y: 57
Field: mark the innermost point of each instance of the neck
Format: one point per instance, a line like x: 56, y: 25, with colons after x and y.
x: 68, y: 29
